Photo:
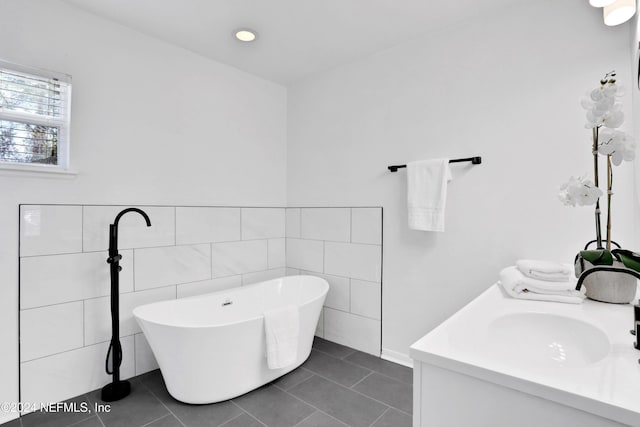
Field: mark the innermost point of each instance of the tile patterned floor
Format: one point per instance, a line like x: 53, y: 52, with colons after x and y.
x: 336, y: 387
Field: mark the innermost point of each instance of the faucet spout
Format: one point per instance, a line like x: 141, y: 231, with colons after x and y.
x: 140, y: 211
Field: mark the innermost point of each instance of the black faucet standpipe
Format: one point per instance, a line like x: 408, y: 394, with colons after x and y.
x: 636, y: 324
x: 117, y: 389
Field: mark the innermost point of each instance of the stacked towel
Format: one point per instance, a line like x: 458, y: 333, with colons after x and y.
x: 427, y: 193
x: 281, y: 328
x: 545, y: 270
x: 517, y: 285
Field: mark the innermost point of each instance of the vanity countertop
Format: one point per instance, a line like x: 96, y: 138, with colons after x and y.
x: 579, y: 355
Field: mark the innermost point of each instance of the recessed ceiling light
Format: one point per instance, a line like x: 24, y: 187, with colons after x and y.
x: 600, y: 3
x: 619, y: 11
x: 245, y: 35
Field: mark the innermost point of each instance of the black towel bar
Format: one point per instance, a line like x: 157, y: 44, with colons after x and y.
x: 474, y: 160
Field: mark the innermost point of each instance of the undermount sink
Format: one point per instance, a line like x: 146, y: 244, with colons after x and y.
x: 535, y: 340
x: 539, y: 337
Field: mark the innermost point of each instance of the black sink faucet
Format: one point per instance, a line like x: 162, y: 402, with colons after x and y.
x: 117, y: 389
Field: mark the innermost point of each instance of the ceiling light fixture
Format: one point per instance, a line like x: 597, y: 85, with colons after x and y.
x: 619, y: 11
x: 245, y: 35
x: 615, y: 12
x: 600, y: 3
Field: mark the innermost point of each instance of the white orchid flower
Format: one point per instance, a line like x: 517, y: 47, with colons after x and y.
x: 612, y: 118
x: 617, y: 144
x: 579, y: 191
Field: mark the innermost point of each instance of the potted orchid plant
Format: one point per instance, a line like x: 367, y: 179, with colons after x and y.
x: 609, y: 275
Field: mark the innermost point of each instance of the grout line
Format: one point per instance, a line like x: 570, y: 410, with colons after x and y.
x: 354, y: 314
x: 268, y: 244
x: 305, y: 418
x: 135, y: 359
x: 363, y: 378
x: 231, y: 419
x: 362, y: 394
x: 86, y: 396
x: 82, y: 227
x: 349, y: 354
x: 84, y: 324
x: 133, y: 270
x: 175, y: 225
x: 350, y: 295
x: 345, y: 242
x: 298, y: 383
x: 210, y: 260
x: 309, y: 404
x: 381, y: 415
x: 22, y: 362
x: 247, y: 412
x: 351, y: 225
x: 157, y: 419
x: 162, y: 403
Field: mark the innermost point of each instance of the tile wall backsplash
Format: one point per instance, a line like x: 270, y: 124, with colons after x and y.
x: 64, y: 279
x: 344, y: 246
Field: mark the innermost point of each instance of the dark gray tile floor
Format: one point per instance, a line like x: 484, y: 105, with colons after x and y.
x: 336, y: 387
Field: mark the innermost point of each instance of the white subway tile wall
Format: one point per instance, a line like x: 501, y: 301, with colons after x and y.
x: 326, y: 224
x: 65, y: 283
x: 47, y: 230
x: 54, y: 279
x: 293, y: 222
x: 206, y: 286
x: 343, y: 246
x: 262, y: 223
x: 64, y: 279
x: 132, y: 230
x: 204, y: 225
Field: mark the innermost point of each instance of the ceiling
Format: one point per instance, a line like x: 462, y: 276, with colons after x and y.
x: 296, y: 37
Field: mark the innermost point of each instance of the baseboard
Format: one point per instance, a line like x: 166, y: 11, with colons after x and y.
x: 396, y: 357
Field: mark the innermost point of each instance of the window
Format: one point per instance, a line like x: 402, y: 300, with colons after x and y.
x: 34, y: 118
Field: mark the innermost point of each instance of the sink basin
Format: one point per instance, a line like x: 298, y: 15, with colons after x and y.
x: 538, y: 340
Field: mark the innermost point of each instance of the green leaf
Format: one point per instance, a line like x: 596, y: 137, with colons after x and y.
x: 598, y: 257
x: 630, y: 261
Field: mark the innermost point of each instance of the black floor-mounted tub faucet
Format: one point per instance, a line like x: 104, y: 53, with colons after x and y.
x: 117, y: 389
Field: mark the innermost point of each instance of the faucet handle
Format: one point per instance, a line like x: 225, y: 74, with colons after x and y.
x: 115, y: 258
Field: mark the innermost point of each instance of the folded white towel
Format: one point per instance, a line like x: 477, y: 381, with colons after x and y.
x: 545, y: 270
x: 519, y: 286
x: 281, y: 328
x: 427, y: 193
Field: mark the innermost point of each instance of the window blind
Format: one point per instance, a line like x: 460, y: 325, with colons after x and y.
x: 34, y: 116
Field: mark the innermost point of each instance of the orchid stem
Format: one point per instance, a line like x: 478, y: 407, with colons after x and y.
x: 609, y: 194
x: 595, y: 180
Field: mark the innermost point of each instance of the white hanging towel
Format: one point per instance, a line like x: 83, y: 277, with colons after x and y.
x: 427, y: 193
x: 281, y: 328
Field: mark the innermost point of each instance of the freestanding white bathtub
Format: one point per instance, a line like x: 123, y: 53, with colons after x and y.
x: 212, y: 347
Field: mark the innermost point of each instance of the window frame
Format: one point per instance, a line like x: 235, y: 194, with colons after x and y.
x: 63, y: 123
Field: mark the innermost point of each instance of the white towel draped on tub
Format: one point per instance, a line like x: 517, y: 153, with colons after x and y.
x: 281, y: 328
x: 427, y: 193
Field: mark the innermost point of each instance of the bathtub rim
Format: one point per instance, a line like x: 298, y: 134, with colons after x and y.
x: 259, y: 316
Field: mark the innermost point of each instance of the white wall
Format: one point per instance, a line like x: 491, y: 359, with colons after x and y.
x: 151, y: 124
x: 505, y: 87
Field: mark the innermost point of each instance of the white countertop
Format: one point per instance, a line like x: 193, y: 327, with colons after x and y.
x: 608, y: 387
